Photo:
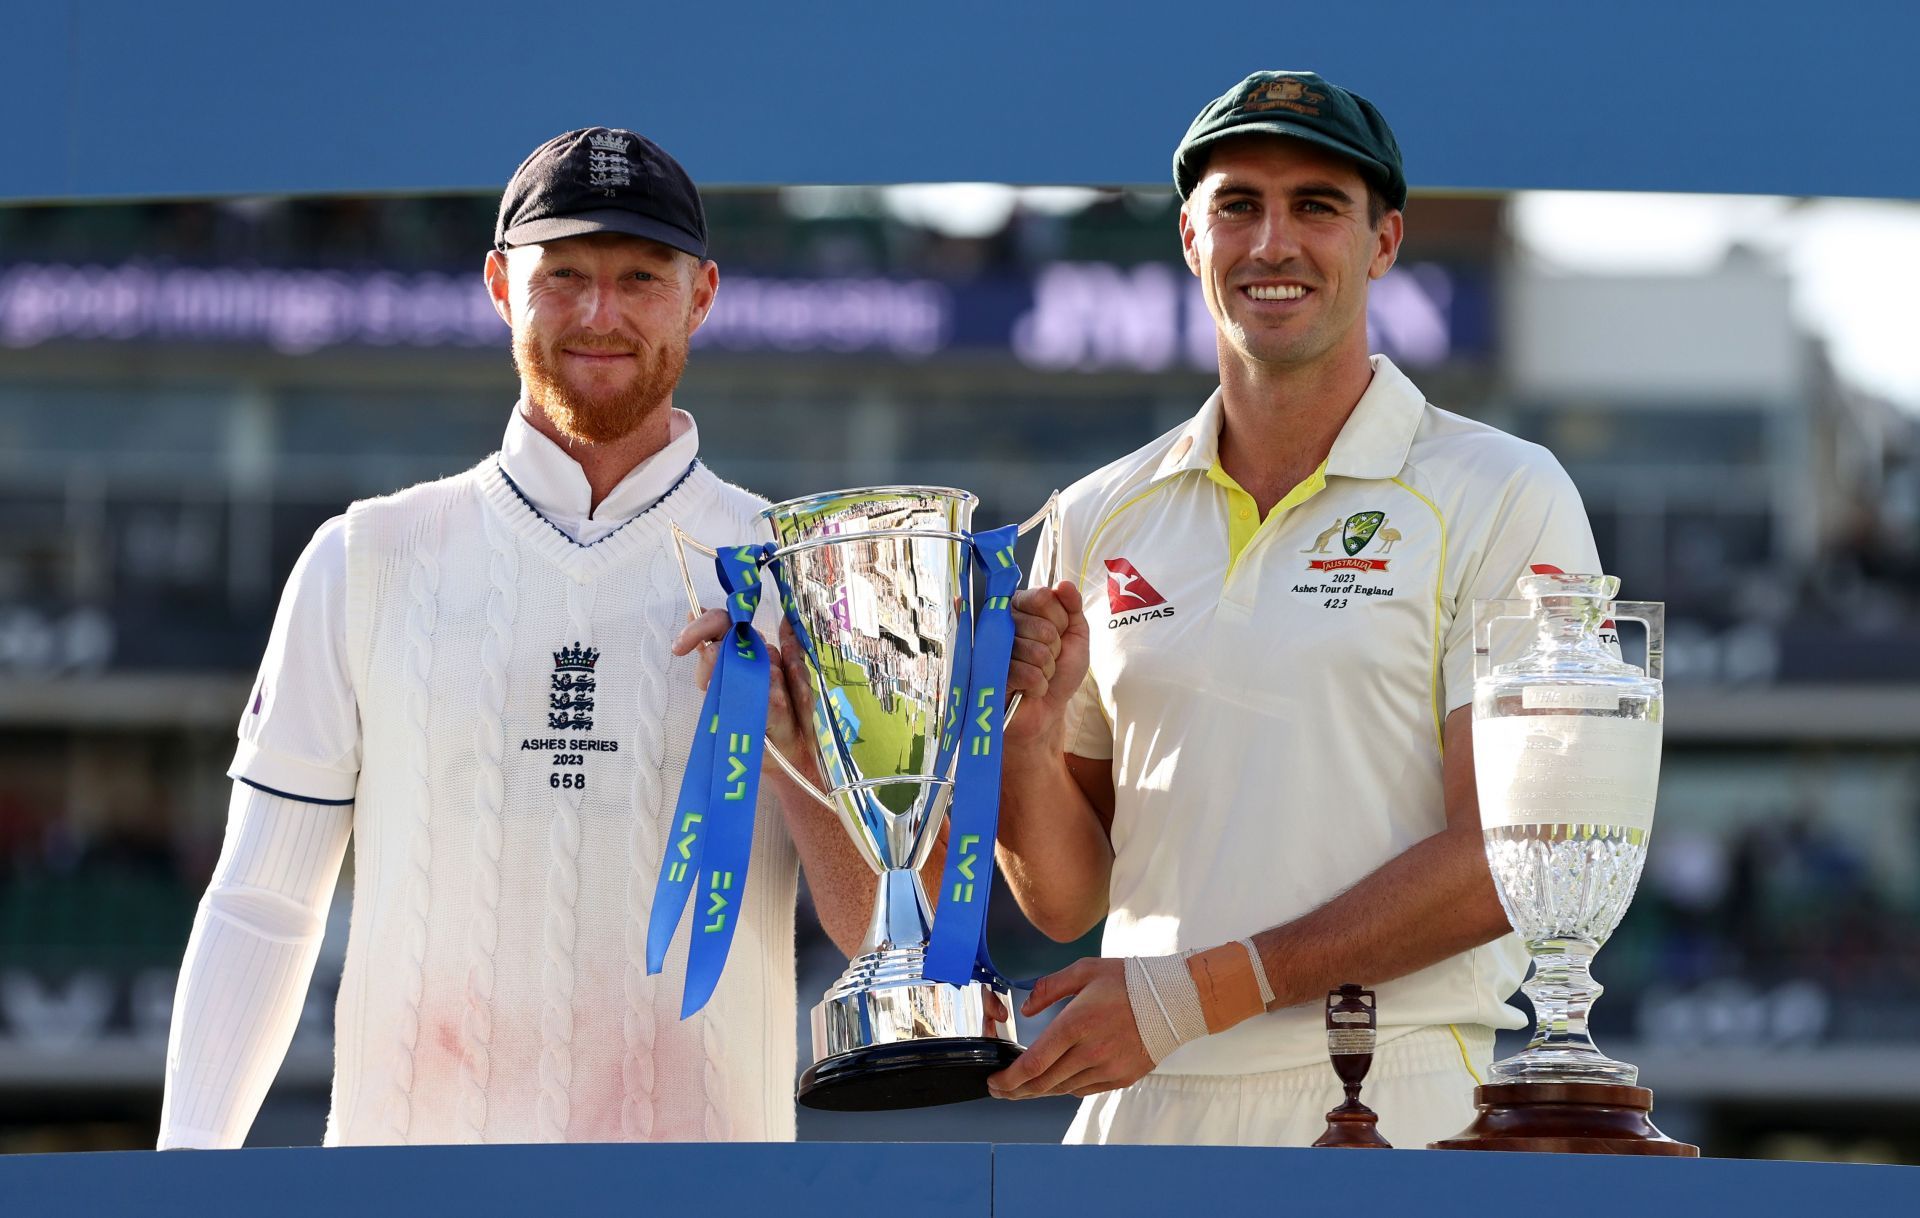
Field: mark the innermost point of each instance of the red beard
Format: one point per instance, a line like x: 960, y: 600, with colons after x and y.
x: 604, y: 417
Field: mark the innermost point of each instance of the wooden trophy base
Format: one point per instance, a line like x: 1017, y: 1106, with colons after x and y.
x: 1565, y: 1118
x: 1352, y: 1127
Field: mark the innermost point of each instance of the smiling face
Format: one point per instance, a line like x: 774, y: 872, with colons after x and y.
x: 601, y: 325
x: 1278, y: 232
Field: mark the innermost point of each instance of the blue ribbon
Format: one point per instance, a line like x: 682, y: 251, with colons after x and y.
x: 957, y: 952
x: 711, y: 843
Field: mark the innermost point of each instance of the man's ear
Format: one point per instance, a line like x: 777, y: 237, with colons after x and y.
x: 1187, y: 238
x: 706, y: 285
x: 498, y: 285
x: 1386, y: 249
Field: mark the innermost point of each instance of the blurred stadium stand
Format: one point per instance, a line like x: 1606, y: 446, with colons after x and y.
x: 189, y: 389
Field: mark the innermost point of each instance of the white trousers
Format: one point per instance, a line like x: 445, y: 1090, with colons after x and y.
x: 1421, y: 1084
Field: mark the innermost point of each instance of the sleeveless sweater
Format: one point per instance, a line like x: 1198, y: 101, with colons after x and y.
x: 525, y: 730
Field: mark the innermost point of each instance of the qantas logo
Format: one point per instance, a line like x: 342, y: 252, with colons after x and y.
x: 1127, y: 588
x: 1130, y: 598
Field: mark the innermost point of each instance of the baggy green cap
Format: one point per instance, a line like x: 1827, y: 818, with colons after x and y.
x: 1301, y: 106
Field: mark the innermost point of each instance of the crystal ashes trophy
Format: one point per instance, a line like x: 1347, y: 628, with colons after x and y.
x: 1566, y: 747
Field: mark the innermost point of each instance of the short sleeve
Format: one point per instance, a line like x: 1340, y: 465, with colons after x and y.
x: 1539, y: 526
x: 1088, y: 732
x: 300, y: 730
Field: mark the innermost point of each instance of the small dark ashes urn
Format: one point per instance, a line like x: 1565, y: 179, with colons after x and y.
x: 1352, y: 1024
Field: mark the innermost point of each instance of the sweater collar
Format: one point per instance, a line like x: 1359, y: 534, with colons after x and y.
x: 555, y: 486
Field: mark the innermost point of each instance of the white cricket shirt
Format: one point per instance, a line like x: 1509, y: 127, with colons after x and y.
x: 1273, y: 717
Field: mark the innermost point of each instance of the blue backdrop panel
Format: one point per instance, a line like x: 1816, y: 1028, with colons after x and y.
x: 1158, y: 1181
x: 793, y: 1181
x: 115, y: 98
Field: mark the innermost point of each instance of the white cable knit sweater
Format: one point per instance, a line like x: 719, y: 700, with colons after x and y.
x: 523, y: 732
x: 522, y: 743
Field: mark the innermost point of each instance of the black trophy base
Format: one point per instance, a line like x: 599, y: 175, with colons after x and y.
x: 909, y: 1074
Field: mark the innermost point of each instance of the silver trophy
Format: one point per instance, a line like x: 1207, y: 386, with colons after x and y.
x: 877, y: 585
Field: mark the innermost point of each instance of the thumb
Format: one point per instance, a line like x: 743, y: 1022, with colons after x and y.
x: 1056, y: 986
x: 709, y: 627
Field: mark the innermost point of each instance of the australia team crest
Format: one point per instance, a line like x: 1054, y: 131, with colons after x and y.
x: 1356, y: 533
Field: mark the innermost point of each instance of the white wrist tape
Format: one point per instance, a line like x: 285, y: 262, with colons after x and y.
x: 1259, y: 972
x: 1166, y: 1003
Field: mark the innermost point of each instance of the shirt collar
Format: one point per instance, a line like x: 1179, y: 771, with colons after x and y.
x: 1372, y: 444
x: 1379, y: 433
x: 553, y: 482
x: 1198, y: 444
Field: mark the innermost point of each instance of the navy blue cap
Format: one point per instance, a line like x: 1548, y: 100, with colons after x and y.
x: 601, y: 180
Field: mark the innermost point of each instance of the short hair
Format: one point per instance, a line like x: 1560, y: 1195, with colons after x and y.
x: 1376, y: 204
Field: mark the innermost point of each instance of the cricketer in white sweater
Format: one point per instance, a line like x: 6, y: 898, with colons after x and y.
x: 472, y: 678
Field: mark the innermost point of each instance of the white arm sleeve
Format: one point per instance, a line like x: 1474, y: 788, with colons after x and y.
x: 248, y: 963
x: 257, y: 934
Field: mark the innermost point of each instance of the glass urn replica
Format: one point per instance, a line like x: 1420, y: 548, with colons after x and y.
x: 1566, y: 748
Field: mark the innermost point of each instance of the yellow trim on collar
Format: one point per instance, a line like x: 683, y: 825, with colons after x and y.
x: 1243, y: 513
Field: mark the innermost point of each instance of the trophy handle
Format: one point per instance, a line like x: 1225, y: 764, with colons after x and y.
x: 1485, y: 615
x: 1049, y: 515
x: 680, y: 544
x: 1652, y: 616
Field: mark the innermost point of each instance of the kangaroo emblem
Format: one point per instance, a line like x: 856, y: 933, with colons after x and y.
x: 1319, y: 545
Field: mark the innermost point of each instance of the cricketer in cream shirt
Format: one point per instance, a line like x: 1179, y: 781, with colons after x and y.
x: 1271, y: 693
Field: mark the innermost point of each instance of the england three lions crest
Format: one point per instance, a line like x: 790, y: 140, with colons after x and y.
x: 571, y: 691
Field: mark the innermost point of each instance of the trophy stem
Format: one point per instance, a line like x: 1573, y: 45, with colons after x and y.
x: 902, y: 915
x: 1563, y: 991
x: 886, y: 1037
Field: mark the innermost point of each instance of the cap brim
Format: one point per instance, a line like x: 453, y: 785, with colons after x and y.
x: 606, y: 220
x: 1375, y: 171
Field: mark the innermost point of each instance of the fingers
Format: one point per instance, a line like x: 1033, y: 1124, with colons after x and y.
x: 790, y: 702
x: 779, y: 705
x: 1076, y: 1061
x: 1092, y: 1081
x: 1071, y: 602
x: 1055, y: 986
x: 1040, y: 618
x: 1032, y: 668
x: 709, y: 627
x: 1043, y: 604
x: 1035, y: 655
x: 794, y: 664
x: 1035, y: 1062
x: 991, y: 1006
x: 1051, y: 640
